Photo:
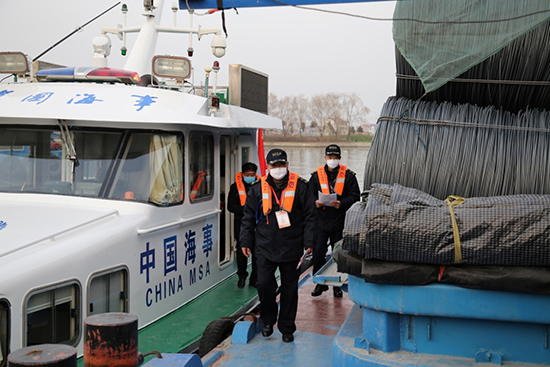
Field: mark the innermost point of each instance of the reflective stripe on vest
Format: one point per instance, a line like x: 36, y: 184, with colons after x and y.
x: 240, y: 187
x: 340, y: 180
x: 197, y: 185
x: 288, y: 197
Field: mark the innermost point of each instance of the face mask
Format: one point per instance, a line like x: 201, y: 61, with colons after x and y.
x: 249, y: 180
x: 278, y: 173
x: 333, y: 163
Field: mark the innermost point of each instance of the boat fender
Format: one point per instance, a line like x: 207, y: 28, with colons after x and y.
x: 216, y: 332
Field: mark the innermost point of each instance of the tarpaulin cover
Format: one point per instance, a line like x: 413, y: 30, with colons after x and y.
x: 499, y: 278
x: 443, y: 38
x: 407, y: 225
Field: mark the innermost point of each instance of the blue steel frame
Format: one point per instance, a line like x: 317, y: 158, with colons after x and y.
x: 228, y: 4
x: 449, y: 324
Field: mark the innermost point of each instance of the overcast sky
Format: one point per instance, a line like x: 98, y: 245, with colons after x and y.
x: 303, y: 52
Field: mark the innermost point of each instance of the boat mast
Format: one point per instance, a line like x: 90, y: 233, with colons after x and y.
x: 143, y: 50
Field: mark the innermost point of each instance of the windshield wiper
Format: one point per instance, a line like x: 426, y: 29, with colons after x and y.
x: 67, y: 139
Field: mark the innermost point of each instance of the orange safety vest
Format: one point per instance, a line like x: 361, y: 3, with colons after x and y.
x: 197, y: 184
x: 287, y: 197
x: 340, y: 180
x: 240, y: 187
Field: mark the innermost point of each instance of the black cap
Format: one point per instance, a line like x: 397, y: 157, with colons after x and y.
x: 332, y: 149
x: 275, y: 156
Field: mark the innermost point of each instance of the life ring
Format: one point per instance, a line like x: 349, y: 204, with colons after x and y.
x: 216, y: 332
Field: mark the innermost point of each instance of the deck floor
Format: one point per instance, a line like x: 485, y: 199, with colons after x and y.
x: 318, y: 321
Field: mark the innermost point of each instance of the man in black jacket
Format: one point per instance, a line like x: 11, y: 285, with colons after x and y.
x: 332, y: 178
x: 235, y: 204
x: 280, y: 220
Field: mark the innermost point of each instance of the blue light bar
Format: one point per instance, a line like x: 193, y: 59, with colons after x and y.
x: 88, y: 74
x: 58, y: 71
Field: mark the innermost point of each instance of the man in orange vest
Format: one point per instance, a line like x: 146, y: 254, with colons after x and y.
x: 280, y: 222
x: 235, y: 204
x: 332, y: 178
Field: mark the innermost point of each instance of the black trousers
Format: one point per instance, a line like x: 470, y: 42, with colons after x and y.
x: 242, y: 263
x: 267, y: 288
x: 321, y: 247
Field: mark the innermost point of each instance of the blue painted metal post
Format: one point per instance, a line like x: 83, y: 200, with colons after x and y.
x: 381, y: 329
x: 243, y: 332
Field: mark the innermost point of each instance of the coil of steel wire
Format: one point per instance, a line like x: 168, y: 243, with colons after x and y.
x: 460, y: 149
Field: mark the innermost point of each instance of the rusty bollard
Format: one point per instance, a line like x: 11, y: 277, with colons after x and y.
x: 111, y: 339
x: 52, y: 355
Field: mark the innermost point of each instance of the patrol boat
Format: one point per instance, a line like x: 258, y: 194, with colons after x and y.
x: 112, y: 192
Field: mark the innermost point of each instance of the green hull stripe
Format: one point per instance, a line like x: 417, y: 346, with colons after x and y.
x: 183, y: 327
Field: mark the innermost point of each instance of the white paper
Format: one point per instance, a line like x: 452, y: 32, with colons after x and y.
x: 326, y: 199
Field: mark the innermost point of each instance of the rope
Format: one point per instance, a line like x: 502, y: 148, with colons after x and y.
x: 409, y: 120
x: 454, y: 201
x: 484, y: 81
x: 460, y: 124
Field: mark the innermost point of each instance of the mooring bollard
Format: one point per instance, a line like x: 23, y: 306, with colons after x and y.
x: 52, y: 355
x: 111, y: 339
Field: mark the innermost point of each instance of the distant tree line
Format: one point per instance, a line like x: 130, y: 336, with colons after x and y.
x: 330, y: 114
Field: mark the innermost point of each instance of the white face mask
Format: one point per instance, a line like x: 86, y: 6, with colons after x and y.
x: 278, y: 173
x: 333, y: 163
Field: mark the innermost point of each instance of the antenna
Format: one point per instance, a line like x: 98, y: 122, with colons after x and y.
x: 73, y: 32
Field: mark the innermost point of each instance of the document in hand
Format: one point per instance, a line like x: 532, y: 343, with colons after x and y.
x: 326, y: 199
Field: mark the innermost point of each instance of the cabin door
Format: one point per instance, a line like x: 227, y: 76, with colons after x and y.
x: 226, y: 176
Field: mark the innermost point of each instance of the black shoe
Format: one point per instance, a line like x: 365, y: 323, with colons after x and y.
x: 319, y: 289
x: 241, y: 283
x: 288, y: 337
x: 252, y: 283
x: 337, y: 292
x: 267, y: 330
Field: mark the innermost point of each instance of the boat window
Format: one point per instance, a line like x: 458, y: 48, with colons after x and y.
x: 245, y: 155
x: 108, y: 293
x: 151, y: 169
x: 53, y: 316
x: 4, y: 330
x: 38, y: 160
x: 93, y: 163
x: 201, y: 166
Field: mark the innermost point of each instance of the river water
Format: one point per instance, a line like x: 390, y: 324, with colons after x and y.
x: 305, y: 160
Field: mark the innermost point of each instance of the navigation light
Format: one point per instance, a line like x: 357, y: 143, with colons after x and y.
x: 214, y: 102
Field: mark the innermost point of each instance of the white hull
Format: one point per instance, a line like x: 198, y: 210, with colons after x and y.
x: 71, y: 244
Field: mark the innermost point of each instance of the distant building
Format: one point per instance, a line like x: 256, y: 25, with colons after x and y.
x: 368, y: 129
x: 336, y: 126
